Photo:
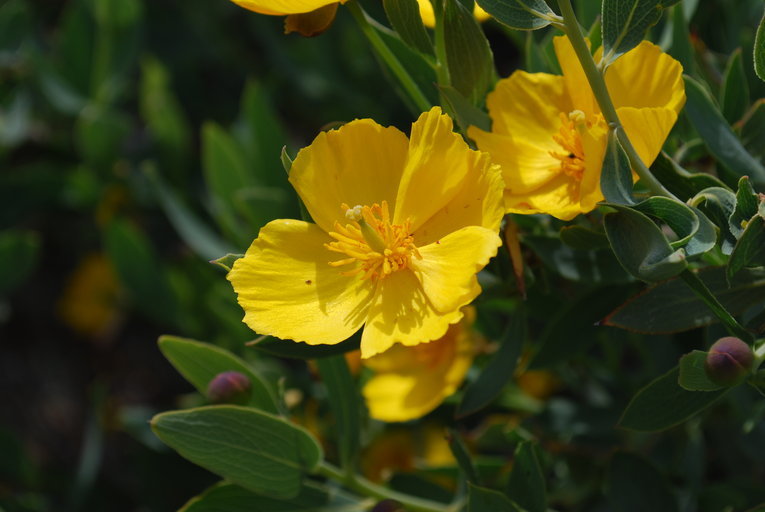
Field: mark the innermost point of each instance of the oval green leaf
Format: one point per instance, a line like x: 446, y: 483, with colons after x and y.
x: 519, y: 14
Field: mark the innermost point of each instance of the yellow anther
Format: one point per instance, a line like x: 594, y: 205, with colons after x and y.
x: 577, y: 117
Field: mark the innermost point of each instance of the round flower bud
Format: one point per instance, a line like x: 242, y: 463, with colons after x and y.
x: 230, y: 388
x: 728, y: 361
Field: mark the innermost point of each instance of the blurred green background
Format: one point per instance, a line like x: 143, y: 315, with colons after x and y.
x: 139, y: 140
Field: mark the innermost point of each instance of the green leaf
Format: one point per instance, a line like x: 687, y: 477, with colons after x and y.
x: 19, y: 254
x: 682, y: 47
x: 479, y: 393
x: 346, y: 404
x: 313, y: 497
x: 462, y: 456
x: 140, y: 272
x: 663, y: 404
x: 693, y: 376
x: 197, y: 235
x: 575, y: 328
x: 680, y: 182
x: 298, y: 350
x: 100, y: 134
x: 527, y: 481
x: 594, y: 266
x: 519, y: 14
x: 718, y: 204
x: 718, y: 135
x: 753, y: 130
x: 15, y: 120
x: 227, y: 262
x: 641, y: 247
x: 734, y: 94
x: 635, y: 485
x: 465, y: 113
x: 750, y: 248
x: 468, y: 54
x: 625, y: 23
x: 404, y: 17
x: 200, y: 362
x: 746, y: 207
x: 673, y: 307
x: 695, y: 232
x: 481, y: 499
x: 583, y: 239
x: 256, y: 450
x: 616, y: 177
x: 759, y: 50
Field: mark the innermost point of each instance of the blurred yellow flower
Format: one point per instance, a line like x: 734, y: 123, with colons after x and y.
x: 89, y: 304
x: 409, y: 382
x: 401, y: 260
x: 429, y: 17
x: 549, y: 135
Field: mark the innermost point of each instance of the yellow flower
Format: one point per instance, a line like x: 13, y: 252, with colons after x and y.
x: 401, y: 229
x: 409, y: 382
x: 429, y: 17
x: 549, y: 135
x: 285, y: 7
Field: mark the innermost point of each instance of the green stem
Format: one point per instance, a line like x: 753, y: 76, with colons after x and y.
x: 408, y: 83
x: 442, y: 69
x: 363, y: 486
x: 599, y: 89
x: 701, y: 290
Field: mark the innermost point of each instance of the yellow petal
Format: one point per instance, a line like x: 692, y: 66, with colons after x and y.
x: 438, y: 162
x: 647, y: 129
x: 448, y: 267
x: 528, y: 105
x: 282, y: 7
x: 559, y: 197
x: 477, y: 203
x: 594, y: 142
x: 312, y: 23
x: 576, y: 81
x: 358, y: 164
x: 401, y: 313
x: 646, y: 77
x: 409, y: 382
x: 525, y: 165
x: 287, y: 288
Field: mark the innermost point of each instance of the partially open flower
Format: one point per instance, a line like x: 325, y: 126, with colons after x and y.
x: 549, y: 135
x: 729, y: 361
x: 230, y: 388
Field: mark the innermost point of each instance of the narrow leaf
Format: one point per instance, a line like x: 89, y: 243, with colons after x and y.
x: 345, y: 401
x: 527, y: 481
x: 19, y: 253
x: 256, y: 450
x: 734, y: 94
x: 663, y: 404
x: 481, y: 499
x: 750, y: 248
x: 462, y: 456
x: 718, y: 135
x: 746, y: 207
x: 200, y: 362
x: 519, y: 14
x: 759, y: 50
x: 404, y: 17
x: 616, y: 177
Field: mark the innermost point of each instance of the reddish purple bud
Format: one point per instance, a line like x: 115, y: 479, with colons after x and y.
x: 729, y: 361
x: 230, y: 388
x: 388, y: 506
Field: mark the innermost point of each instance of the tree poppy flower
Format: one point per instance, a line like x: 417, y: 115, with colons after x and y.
x: 549, y: 135
x: 401, y: 229
x: 409, y: 382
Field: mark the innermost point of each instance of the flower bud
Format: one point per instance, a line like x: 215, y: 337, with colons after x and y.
x: 230, y: 388
x: 728, y: 361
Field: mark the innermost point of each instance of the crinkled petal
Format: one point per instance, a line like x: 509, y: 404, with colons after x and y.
x: 477, y: 203
x: 358, y: 164
x: 409, y: 382
x: 287, y: 288
x: 577, y: 85
x: 525, y: 165
x: 647, y: 129
x: 646, y: 77
x: 401, y: 313
x: 438, y: 163
x: 528, y: 105
x: 448, y: 266
x: 282, y: 7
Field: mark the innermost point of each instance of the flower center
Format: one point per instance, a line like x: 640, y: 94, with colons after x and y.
x: 569, y: 138
x: 370, y: 239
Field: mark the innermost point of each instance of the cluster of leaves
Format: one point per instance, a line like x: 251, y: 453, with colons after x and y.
x: 701, y: 252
